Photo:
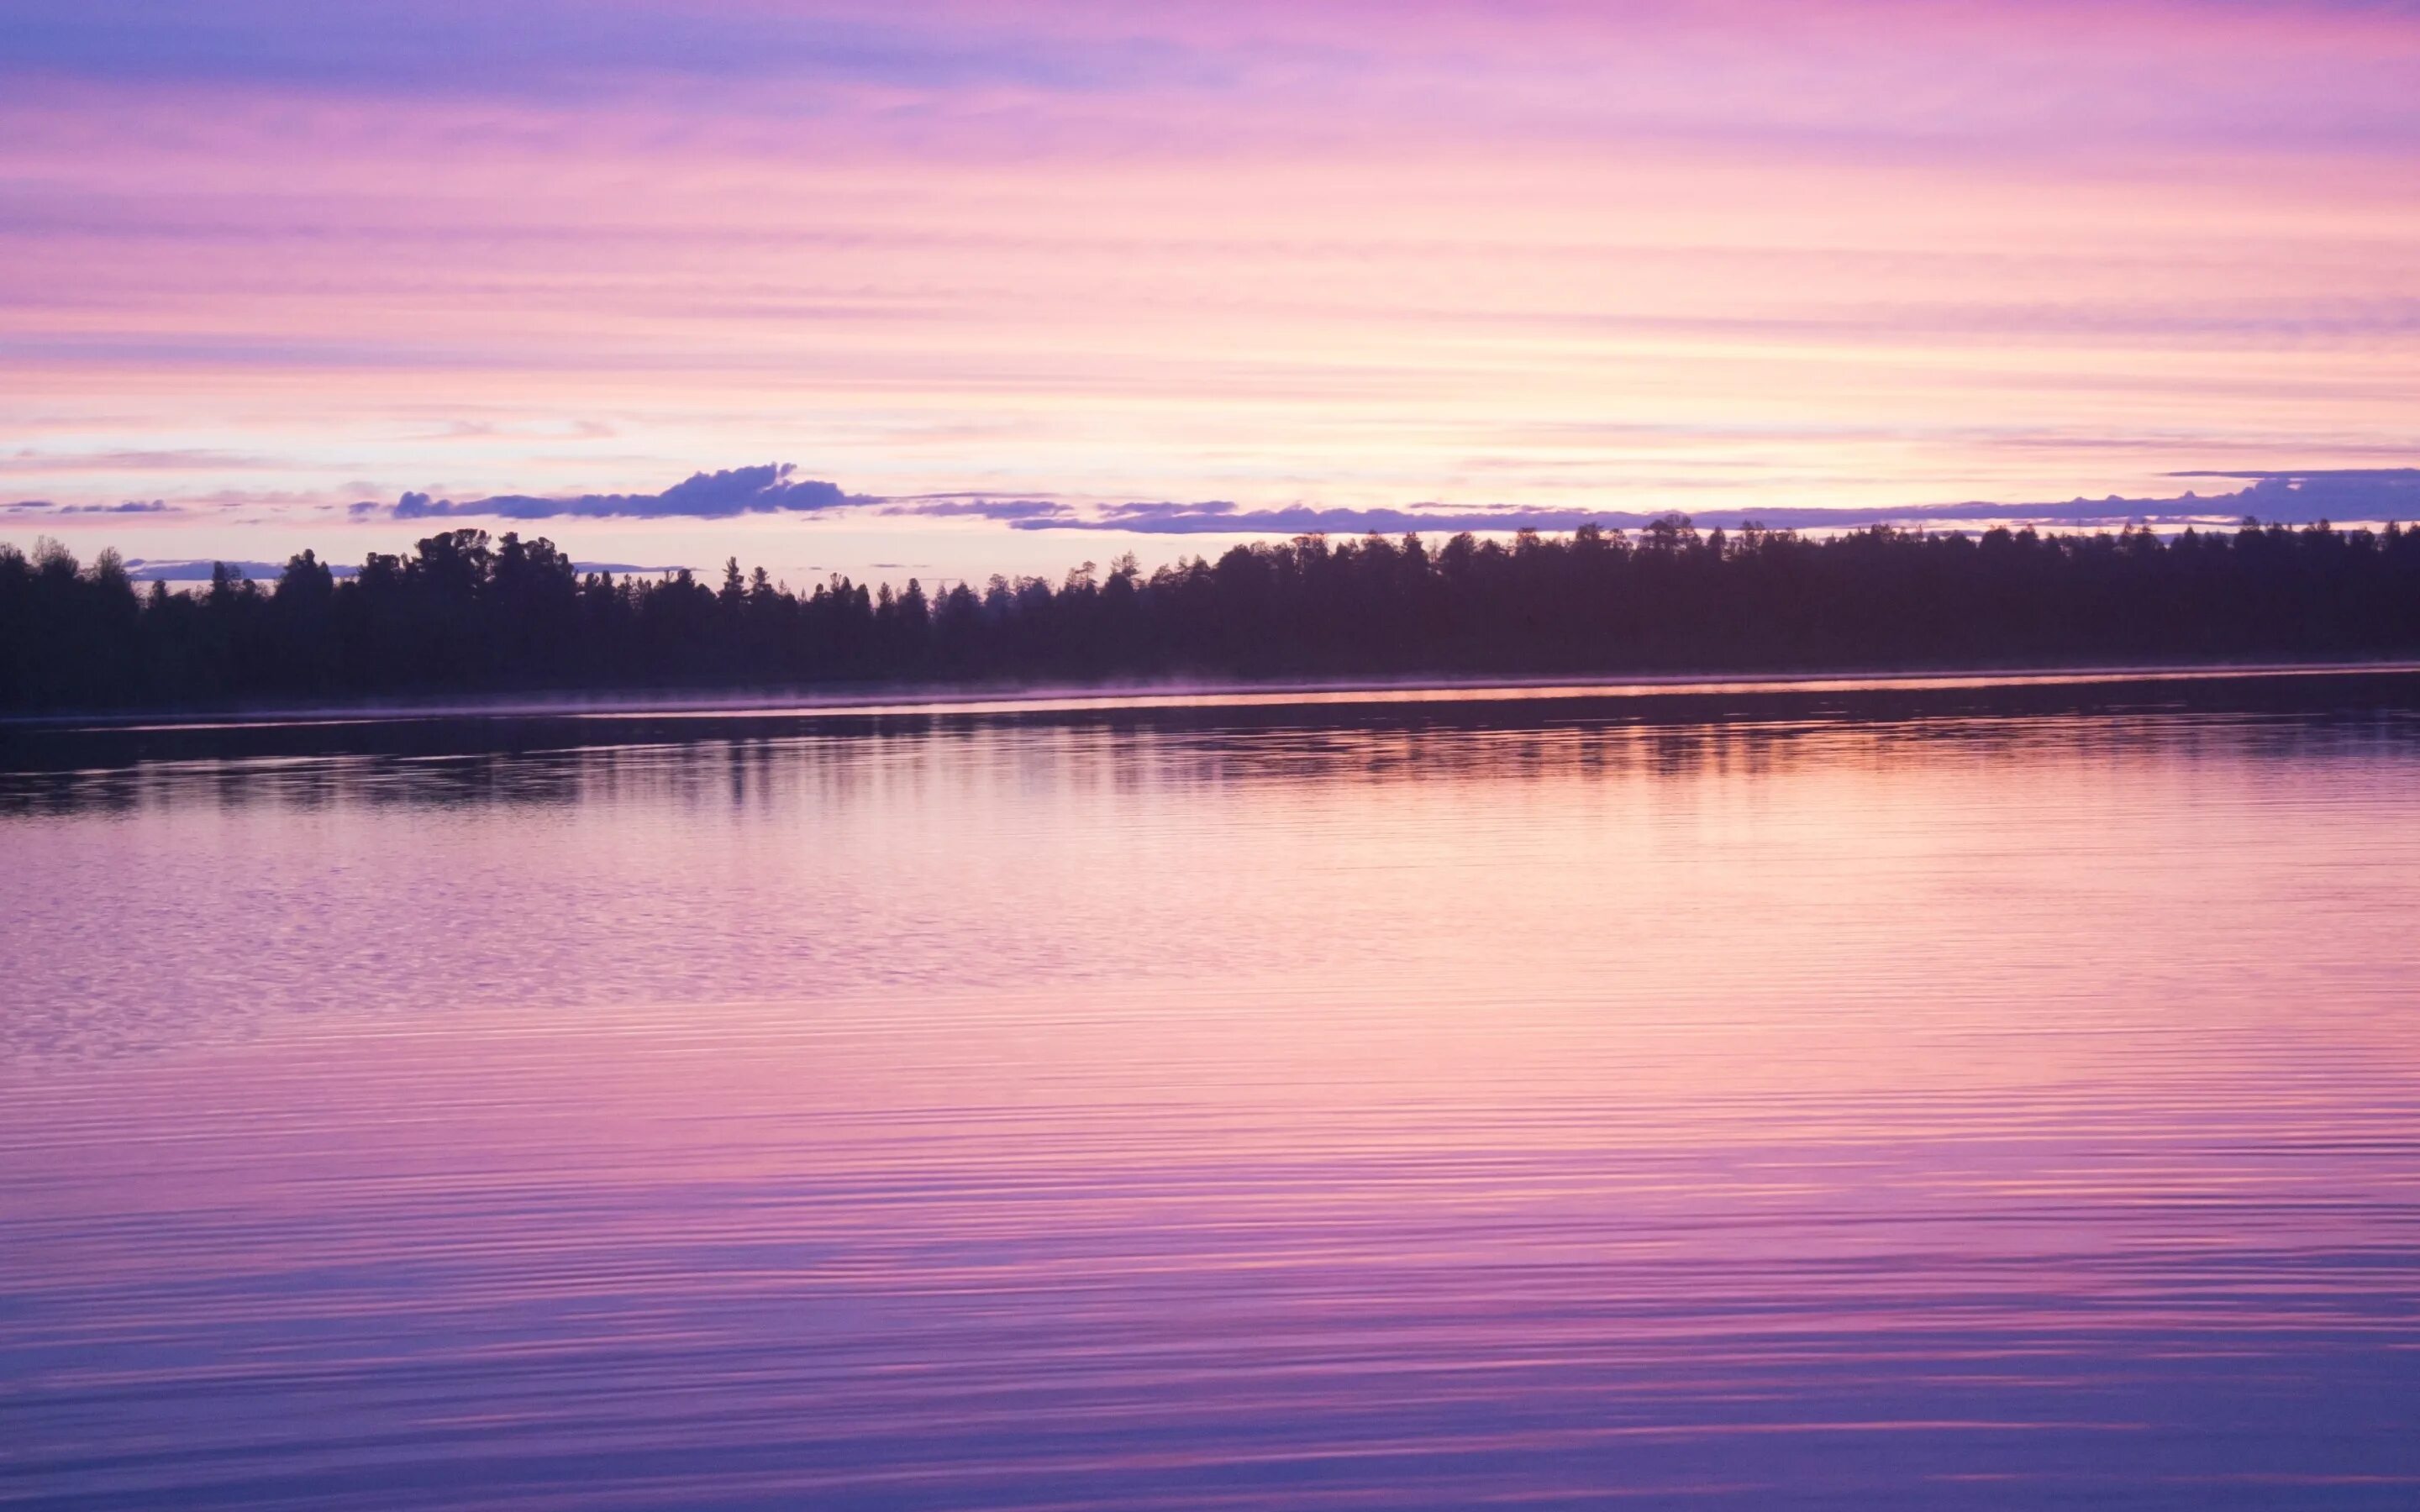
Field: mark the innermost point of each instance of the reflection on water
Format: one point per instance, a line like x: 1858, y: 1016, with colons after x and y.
x: 1954, y: 1100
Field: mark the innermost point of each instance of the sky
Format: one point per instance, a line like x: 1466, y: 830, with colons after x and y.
x: 941, y: 289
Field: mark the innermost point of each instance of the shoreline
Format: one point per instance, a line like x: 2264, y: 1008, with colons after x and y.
x: 944, y: 701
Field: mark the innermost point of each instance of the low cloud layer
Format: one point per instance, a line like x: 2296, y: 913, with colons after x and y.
x: 132, y: 506
x: 2294, y: 498
x: 947, y: 506
x: 2345, y: 493
x: 2286, y: 497
x: 200, y: 570
x: 753, y: 491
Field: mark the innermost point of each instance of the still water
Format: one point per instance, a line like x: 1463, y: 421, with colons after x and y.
x: 1947, y: 1097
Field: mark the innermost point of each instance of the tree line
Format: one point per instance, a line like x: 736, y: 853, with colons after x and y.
x: 467, y: 614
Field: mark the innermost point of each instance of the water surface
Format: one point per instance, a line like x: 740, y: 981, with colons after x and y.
x: 1857, y: 1097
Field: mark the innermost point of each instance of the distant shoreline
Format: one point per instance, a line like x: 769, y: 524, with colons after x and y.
x: 911, y: 700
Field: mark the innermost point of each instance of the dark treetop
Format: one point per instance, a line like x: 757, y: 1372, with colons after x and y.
x: 465, y: 613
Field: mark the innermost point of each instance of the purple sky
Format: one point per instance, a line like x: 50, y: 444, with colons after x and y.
x: 986, y: 274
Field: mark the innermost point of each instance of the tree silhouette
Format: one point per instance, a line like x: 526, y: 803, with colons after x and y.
x: 465, y: 613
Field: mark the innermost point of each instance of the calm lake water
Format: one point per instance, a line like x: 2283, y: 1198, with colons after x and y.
x: 1851, y: 1096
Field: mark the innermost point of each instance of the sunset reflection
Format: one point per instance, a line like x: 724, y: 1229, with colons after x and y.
x: 1079, y: 1113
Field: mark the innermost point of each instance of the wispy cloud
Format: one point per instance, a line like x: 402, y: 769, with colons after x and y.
x: 2292, y: 497
x: 945, y: 507
x: 1221, y: 517
x: 132, y: 506
x: 26, y: 459
x: 202, y: 569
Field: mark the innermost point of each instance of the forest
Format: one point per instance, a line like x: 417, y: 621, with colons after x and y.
x: 468, y: 613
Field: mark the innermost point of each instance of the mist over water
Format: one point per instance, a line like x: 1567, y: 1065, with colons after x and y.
x: 1923, y: 1099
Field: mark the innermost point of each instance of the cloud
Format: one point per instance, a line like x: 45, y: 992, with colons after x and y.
x: 200, y: 569
x: 25, y: 460
x: 2294, y: 498
x: 1221, y: 517
x: 2339, y: 493
x: 2290, y: 497
x: 951, y: 506
x: 132, y: 506
x: 752, y: 490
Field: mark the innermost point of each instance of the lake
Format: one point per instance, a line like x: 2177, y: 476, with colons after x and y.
x: 1860, y: 1095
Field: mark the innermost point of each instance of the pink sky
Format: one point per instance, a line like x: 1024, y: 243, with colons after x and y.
x: 261, y: 261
